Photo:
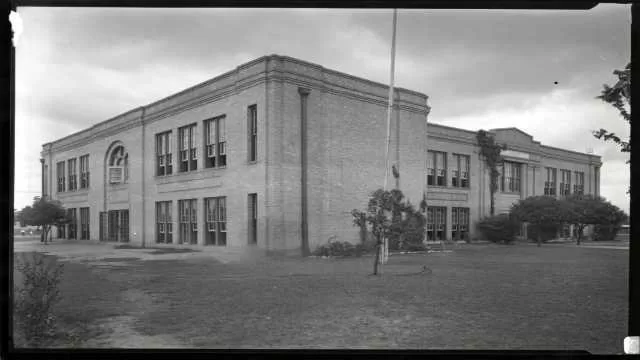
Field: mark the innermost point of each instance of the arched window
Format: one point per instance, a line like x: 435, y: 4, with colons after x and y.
x: 118, y: 165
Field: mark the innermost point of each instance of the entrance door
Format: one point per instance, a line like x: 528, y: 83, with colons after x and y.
x: 115, y: 226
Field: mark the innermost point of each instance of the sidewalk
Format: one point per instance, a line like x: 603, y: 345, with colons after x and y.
x: 97, y: 252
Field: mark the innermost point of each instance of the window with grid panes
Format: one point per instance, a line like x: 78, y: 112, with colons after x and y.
x: 164, y: 222
x: 565, y: 182
x: 61, y: 176
x: 84, y: 172
x: 578, y: 186
x: 511, y: 176
x: 436, y: 168
x: 84, y: 223
x: 436, y: 223
x: 550, y: 182
x: 216, y: 221
x: 73, y: 179
x: 73, y: 223
x: 188, y: 221
x: 215, y: 142
x: 460, y: 171
x: 164, y: 160
x: 459, y: 223
x: 188, y: 150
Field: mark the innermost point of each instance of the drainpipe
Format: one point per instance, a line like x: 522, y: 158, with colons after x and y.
x: 144, y: 199
x: 42, y: 193
x: 304, y: 94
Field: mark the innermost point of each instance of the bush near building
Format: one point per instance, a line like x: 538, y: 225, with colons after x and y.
x: 499, y: 228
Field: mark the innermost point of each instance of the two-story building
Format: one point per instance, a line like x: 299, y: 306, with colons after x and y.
x: 275, y: 154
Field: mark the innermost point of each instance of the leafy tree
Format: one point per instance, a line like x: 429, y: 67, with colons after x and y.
x: 580, y: 211
x: 539, y: 211
x: 583, y: 210
x: 619, y: 96
x: 611, y: 217
x: 44, y: 213
x: 490, y: 151
x: 390, y: 216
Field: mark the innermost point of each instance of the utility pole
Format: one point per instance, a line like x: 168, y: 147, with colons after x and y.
x: 385, y: 241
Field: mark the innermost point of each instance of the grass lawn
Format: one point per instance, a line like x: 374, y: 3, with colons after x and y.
x: 477, y: 297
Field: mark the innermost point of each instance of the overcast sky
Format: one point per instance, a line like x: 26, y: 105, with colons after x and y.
x: 480, y: 69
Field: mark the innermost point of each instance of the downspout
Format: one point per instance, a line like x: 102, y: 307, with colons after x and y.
x: 42, y: 196
x: 144, y: 199
x: 304, y: 94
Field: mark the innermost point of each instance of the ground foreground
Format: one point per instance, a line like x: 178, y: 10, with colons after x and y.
x: 476, y: 297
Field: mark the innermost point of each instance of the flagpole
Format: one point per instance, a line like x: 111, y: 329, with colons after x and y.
x: 385, y: 251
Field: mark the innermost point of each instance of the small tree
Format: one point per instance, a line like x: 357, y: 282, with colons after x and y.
x: 44, y: 213
x: 360, y: 220
x: 390, y: 216
x: 490, y: 151
x: 539, y: 211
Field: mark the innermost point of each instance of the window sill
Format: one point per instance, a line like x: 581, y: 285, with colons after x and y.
x: 73, y: 192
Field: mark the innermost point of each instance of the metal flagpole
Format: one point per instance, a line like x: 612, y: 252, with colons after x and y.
x: 385, y: 250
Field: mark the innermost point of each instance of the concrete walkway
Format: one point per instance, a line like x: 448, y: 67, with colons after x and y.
x: 96, y: 252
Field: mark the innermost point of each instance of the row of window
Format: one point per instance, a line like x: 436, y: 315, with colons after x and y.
x: 437, y: 169
x: 69, y: 181
x: 215, y: 145
x: 215, y: 221
x: 437, y: 223
x: 70, y: 230
x: 565, y: 184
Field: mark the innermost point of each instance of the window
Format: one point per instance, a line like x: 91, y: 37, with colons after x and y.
x: 459, y: 223
x: 164, y: 222
x: 460, y: 171
x: 73, y: 223
x: 550, y: 183
x: 252, y: 119
x: 215, y: 143
x: 436, y: 168
x: 60, y: 175
x: 578, y: 186
x: 436, y: 223
x: 188, y: 221
x: 188, y: 151
x: 114, y: 226
x: 565, y: 182
x: 62, y: 233
x: 216, y: 221
x: 511, y: 176
x: 73, y: 180
x: 164, y: 160
x: 103, y: 226
x: 45, y: 179
x: 253, y: 218
x: 84, y: 172
x: 118, y: 166
x: 84, y: 223
x: 596, y: 181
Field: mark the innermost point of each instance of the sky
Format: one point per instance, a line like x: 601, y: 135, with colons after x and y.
x: 539, y: 71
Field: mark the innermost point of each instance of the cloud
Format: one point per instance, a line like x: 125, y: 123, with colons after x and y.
x: 78, y: 66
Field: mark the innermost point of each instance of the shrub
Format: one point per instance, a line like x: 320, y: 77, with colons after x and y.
x: 35, y: 298
x: 605, y: 232
x: 547, y: 232
x: 499, y: 228
x: 339, y: 248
